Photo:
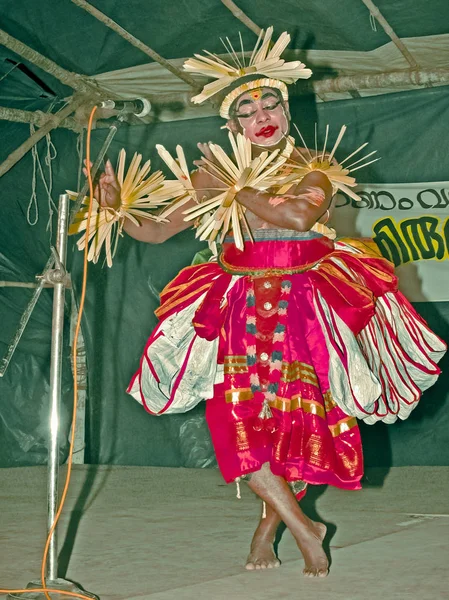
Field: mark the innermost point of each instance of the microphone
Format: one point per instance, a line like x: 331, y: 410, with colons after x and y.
x: 140, y: 107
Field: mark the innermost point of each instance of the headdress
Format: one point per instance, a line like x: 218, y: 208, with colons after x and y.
x: 241, y: 77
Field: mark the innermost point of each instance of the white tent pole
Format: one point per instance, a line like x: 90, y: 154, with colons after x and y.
x: 391, y: 33
x: 241, y: 16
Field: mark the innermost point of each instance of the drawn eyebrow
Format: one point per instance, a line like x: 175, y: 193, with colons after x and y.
x: 243, y: 102
x: 263, y: 97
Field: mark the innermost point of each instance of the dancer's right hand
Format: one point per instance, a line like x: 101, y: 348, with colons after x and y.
x: 107, y: 191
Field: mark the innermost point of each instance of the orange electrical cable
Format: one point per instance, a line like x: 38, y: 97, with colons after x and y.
x: 44, y: 588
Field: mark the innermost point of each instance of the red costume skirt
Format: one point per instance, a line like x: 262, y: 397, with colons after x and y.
x: 305, y: 335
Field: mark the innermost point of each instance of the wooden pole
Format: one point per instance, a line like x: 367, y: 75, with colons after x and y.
x: 396, y: 79
x: 390, y: 32
x: 344, y: 83
x: 15, y: 156
x: 240, y: 15
x: 74, y: 80
x: 37, y: 117
x: 136, y: 42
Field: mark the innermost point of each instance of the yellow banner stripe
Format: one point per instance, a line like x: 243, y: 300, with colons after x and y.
x: 305, y: 377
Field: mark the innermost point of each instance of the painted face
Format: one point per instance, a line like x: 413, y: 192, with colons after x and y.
x: 262, y: 116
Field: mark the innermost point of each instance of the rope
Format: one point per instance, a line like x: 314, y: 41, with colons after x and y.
x: 50, y: 155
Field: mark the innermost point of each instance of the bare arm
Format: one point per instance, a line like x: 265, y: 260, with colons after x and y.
x: 299, y: 209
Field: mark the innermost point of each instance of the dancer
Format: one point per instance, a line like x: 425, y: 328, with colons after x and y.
x: 289, y: 339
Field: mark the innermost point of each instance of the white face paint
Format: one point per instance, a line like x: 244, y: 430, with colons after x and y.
x: 262, y: 116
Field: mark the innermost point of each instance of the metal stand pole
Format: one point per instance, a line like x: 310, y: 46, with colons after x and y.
x: 59, y: 279
x: 58, y: 276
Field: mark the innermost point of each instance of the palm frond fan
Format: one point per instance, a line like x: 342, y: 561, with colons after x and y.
x: 139, y: 195
x: 222, y: 212
x: 338, y: 173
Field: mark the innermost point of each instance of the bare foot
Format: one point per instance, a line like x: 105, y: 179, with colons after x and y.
x: 311, y: 546
x: 261, y: 556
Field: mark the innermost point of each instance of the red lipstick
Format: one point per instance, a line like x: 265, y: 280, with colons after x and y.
x: 266, y: 132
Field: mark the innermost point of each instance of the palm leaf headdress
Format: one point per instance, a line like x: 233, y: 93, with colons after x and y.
x: 265, y: 60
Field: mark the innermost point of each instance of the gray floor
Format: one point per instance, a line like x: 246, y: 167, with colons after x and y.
x: 164, y: 534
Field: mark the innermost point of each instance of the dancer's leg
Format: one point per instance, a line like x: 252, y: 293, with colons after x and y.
x: 262, y: 555
x: 308, y: 534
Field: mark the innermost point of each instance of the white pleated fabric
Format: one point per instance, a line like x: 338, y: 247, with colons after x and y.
x: 380, y: 374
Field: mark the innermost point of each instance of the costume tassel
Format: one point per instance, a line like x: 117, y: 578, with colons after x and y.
x: 237, y: 483
x: 265, y: 419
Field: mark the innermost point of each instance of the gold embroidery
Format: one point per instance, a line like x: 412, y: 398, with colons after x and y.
x: 312, y: 407
x: 316, y: 452
x: 263, y: 272
x: 351, y: 463
x: 242, y: 442
x: 281, y: 445
x: 344, y: 425
x: 236, y: 395
x: 235, y: 369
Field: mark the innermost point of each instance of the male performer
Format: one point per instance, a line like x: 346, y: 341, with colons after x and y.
x: 299, y: 335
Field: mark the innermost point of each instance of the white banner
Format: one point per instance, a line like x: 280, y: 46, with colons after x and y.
x: 410, y: 224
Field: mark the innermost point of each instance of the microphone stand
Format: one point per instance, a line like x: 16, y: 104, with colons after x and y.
x: 55, y: 274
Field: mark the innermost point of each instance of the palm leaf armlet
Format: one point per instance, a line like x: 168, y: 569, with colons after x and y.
x: 221, y: 211
x: 140, y: 194
x: 338, y: 173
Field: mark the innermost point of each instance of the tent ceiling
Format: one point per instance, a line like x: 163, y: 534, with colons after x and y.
x: 335, y: 37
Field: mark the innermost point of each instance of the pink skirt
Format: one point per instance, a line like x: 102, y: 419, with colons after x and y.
x: 304, y: 336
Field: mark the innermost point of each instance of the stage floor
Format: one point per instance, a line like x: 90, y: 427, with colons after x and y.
x: 165, y: 534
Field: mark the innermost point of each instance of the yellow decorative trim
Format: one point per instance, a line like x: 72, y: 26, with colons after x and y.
x: 344, y: 425
x: 235, y: 369
x: 235, y: 359
x: 298, y: 370
x: 235, y: 364
x: 364, y: 245
x: 236, y: 395
x: 260, y: 272
x: 297, y: 402
x: 329, y: 402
